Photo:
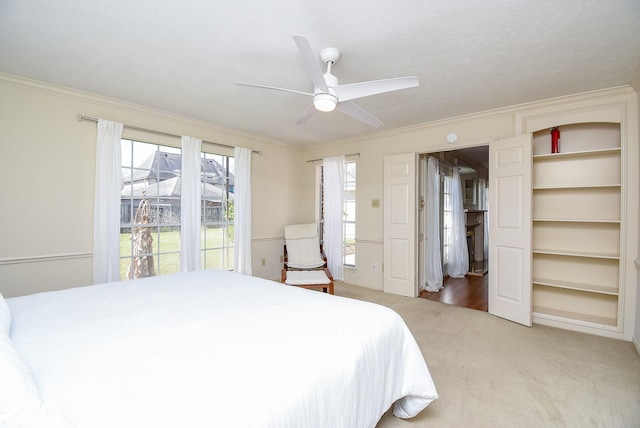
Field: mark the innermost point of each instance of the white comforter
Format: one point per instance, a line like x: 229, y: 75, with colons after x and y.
x: 215, y: 349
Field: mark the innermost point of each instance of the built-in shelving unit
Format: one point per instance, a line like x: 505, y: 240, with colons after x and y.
x: 576, y: 224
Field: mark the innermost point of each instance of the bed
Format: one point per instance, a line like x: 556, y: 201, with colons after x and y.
x: 203, y: 349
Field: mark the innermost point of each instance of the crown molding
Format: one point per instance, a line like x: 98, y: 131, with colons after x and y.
x: 35, y: 85
x: 508, y: 110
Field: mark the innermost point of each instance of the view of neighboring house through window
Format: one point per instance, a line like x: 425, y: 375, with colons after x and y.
x: 150, y: 210
x: 349, y: 219
x: 217, y: 212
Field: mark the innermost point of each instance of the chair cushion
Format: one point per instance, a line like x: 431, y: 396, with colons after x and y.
x: 299, y: 231
x: 304, y: 253
x: 303, y: 246
x: 306, y: 277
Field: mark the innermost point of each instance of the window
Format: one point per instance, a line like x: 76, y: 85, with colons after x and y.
x: 349, y: 220
x: 217, y: 212
x: 349, y: 224
x: 446, y: 213
x: 150, y: 210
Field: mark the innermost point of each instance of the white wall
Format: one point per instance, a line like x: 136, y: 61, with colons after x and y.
x: 47, y: 175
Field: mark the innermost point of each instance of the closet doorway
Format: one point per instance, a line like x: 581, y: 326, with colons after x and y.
x: 471, y: 166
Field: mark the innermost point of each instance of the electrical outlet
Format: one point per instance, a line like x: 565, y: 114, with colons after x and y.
x: 264, y: 262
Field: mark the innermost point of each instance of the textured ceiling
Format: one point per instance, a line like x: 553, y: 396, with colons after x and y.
x: 185, y: 56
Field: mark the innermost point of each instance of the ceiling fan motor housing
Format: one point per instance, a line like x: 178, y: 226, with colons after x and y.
x: 329, y: 55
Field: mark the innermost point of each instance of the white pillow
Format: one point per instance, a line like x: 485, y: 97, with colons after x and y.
x: 5, y: 317
x: 18, y: 391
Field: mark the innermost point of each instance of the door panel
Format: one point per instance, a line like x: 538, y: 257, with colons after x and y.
x: 399, y: 224
x: 510, y: 229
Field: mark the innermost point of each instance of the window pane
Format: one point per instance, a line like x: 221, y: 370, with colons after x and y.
x: 149, y: 209
x: 349, y: 237
x: 349, y: 210
x: 168, y: 263
x: 217, y: 211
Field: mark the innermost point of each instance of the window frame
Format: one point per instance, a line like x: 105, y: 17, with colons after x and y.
x: 161, y: 254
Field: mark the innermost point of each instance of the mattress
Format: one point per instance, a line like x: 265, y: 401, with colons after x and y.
x: 213, y: 348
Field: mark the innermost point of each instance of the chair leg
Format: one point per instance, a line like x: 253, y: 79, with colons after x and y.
x: 330, y: 288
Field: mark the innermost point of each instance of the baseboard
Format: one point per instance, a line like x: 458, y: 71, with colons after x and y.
x: 636, y: 344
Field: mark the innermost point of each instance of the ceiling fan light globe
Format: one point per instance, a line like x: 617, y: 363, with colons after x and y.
x: 325, y: 102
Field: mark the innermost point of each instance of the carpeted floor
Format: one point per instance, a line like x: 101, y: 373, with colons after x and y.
x: 490, y: 372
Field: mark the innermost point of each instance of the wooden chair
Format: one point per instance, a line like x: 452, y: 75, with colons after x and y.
x: 305, y: 264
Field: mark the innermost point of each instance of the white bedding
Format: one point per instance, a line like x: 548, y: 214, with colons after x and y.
x: 214, y: 348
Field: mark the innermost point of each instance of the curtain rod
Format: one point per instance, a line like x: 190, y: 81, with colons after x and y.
x: 166, y: 134
x: 444, y: 162
x: 316, y: 160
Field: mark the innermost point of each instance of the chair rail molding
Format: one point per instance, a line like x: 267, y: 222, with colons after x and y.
x: 44, y: 258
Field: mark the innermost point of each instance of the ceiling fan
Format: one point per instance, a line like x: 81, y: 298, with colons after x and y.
x: 328, y: 95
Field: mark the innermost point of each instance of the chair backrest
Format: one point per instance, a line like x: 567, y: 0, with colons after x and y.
x: 303, y: 246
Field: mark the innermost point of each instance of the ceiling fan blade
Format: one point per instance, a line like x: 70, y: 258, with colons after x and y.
x: 311, y: 62
x: 355, y: 111
x: 275, y: 89
x: 306, y: 115
x: 351, y: 91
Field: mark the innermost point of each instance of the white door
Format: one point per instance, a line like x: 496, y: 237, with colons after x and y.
x: 510, y: 229
x: 399, y: 224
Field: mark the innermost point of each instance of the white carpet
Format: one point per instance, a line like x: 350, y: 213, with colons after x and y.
x: 494, y: 373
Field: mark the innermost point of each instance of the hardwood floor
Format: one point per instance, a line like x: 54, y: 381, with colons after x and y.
x: 469, y: 292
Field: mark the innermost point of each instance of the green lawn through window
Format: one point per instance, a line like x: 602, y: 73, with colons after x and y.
x: 217, y: 256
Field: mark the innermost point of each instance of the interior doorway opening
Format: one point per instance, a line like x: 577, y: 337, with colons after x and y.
x: 472, y: 165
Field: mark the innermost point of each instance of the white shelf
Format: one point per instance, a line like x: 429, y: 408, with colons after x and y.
x: 578, y: 186
x: 576, y: 304
x: 586, y: 254
x: 575, y: 286
x: 565, y: 269
x: 578, y: 170
x: 578, y: 203
x: 577, y: 154
x: 576, y: 220
x: 560, y: 315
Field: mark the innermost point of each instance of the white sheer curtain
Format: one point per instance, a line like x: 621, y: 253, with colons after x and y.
x: 190, y: 211
x: 433, y: 262
x: 106, y: 203
x: 458, y: 263
x: 484, y: 205
x: 334, y: 214
x: 242, y: 211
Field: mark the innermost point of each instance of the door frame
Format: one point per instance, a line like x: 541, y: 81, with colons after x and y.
x: 420, y: 221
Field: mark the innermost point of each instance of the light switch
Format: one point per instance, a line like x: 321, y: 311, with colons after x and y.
x: 375, y: 203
